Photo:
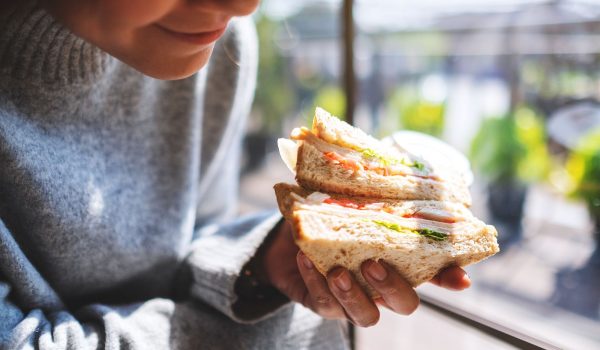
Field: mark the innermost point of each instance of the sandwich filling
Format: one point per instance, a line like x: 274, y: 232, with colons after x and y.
x: 357, y: 158
x: 436, y: 236
x: 434, y: 223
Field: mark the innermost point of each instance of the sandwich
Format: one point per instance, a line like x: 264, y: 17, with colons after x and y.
x: 360, y: 198
x: 336, y: 157
x: 418, y: 238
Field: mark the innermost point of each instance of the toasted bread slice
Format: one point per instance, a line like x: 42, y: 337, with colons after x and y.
x: 335, y: 235
x: 335, y: 131
x: 338, y: 158
x: 315, y: 172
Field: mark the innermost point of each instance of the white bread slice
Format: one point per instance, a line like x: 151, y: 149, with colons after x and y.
x: 314, y: 172
x: 330, y: 241
x: 348, y: 237
x: 335, y: 131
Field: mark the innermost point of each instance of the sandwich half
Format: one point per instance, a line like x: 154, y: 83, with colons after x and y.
x: 417, y: 238
x: 335, y: 157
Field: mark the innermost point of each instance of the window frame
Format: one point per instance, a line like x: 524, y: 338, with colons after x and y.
x: 503, y: 333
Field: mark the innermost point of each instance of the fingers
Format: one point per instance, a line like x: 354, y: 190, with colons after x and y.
x: 358, y: 306
x: 319, y: 298
x: 337, y: 297
x: 453, y: 278
x: 397, y: 294
x: 379, y: 301
x: 340, y: 296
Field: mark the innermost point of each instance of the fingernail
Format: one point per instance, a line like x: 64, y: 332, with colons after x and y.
x: 342, y: 281
x: 306, y: 261
x: 376, y: 271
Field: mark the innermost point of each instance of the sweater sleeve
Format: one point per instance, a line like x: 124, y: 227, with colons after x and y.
x: 219, y: 255
x: 33, y: 316
x: 146, y: 325
x: 153, y: 324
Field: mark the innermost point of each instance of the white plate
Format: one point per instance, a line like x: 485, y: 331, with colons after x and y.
x: 570, y: 124
x: 435, y: 151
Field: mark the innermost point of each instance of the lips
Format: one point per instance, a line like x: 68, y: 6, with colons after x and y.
x: 199, y: 38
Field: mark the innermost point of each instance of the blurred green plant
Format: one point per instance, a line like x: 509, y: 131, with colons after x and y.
x: 332, y: 99
x: 416, y: 113
x: 273, y: 97
x: 425, y: 117
x: 511, y: 147
x: 583, y: 167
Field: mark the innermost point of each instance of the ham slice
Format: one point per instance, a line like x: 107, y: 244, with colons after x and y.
x: 422, y: 218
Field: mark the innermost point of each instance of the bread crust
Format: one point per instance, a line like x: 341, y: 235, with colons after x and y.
x: 331, y: 240
x: 417, y: 259
x: 285, y: 201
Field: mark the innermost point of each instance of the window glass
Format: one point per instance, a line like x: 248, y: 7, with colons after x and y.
x: 299, y: 68
x: 514, y: 85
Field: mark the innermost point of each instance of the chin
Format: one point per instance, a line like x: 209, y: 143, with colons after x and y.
x: 172, y: 68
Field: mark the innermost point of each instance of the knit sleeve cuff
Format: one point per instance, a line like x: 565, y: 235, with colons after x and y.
x: 217, y: 258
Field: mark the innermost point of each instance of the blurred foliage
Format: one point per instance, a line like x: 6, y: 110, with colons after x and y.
x: 531, y: 133
x: 511, y: 147
x: 421, y: 42
x: 416, y: 113
x: 583, y: 167
x: 273, y: 97
x: 424, y: 116
x: 551, y: 81
x: 332, y: 99
x: 573, y: 82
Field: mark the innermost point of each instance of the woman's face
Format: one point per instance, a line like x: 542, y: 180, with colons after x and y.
x: 166, y: 39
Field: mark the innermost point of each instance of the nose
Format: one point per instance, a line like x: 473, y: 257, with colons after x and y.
x: 227, y: 7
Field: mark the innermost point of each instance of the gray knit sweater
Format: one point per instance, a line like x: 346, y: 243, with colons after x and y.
x: 117, y: 201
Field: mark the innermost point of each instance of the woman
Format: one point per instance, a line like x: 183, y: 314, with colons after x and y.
x: 119, y: 152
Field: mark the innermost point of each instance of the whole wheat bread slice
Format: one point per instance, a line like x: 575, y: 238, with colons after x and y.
x: 347, y: 239
x: 314, y: 172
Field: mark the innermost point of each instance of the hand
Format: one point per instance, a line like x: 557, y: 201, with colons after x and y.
x: 339, y: 296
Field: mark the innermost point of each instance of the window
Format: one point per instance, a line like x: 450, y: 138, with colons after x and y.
x: 515, y: 85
